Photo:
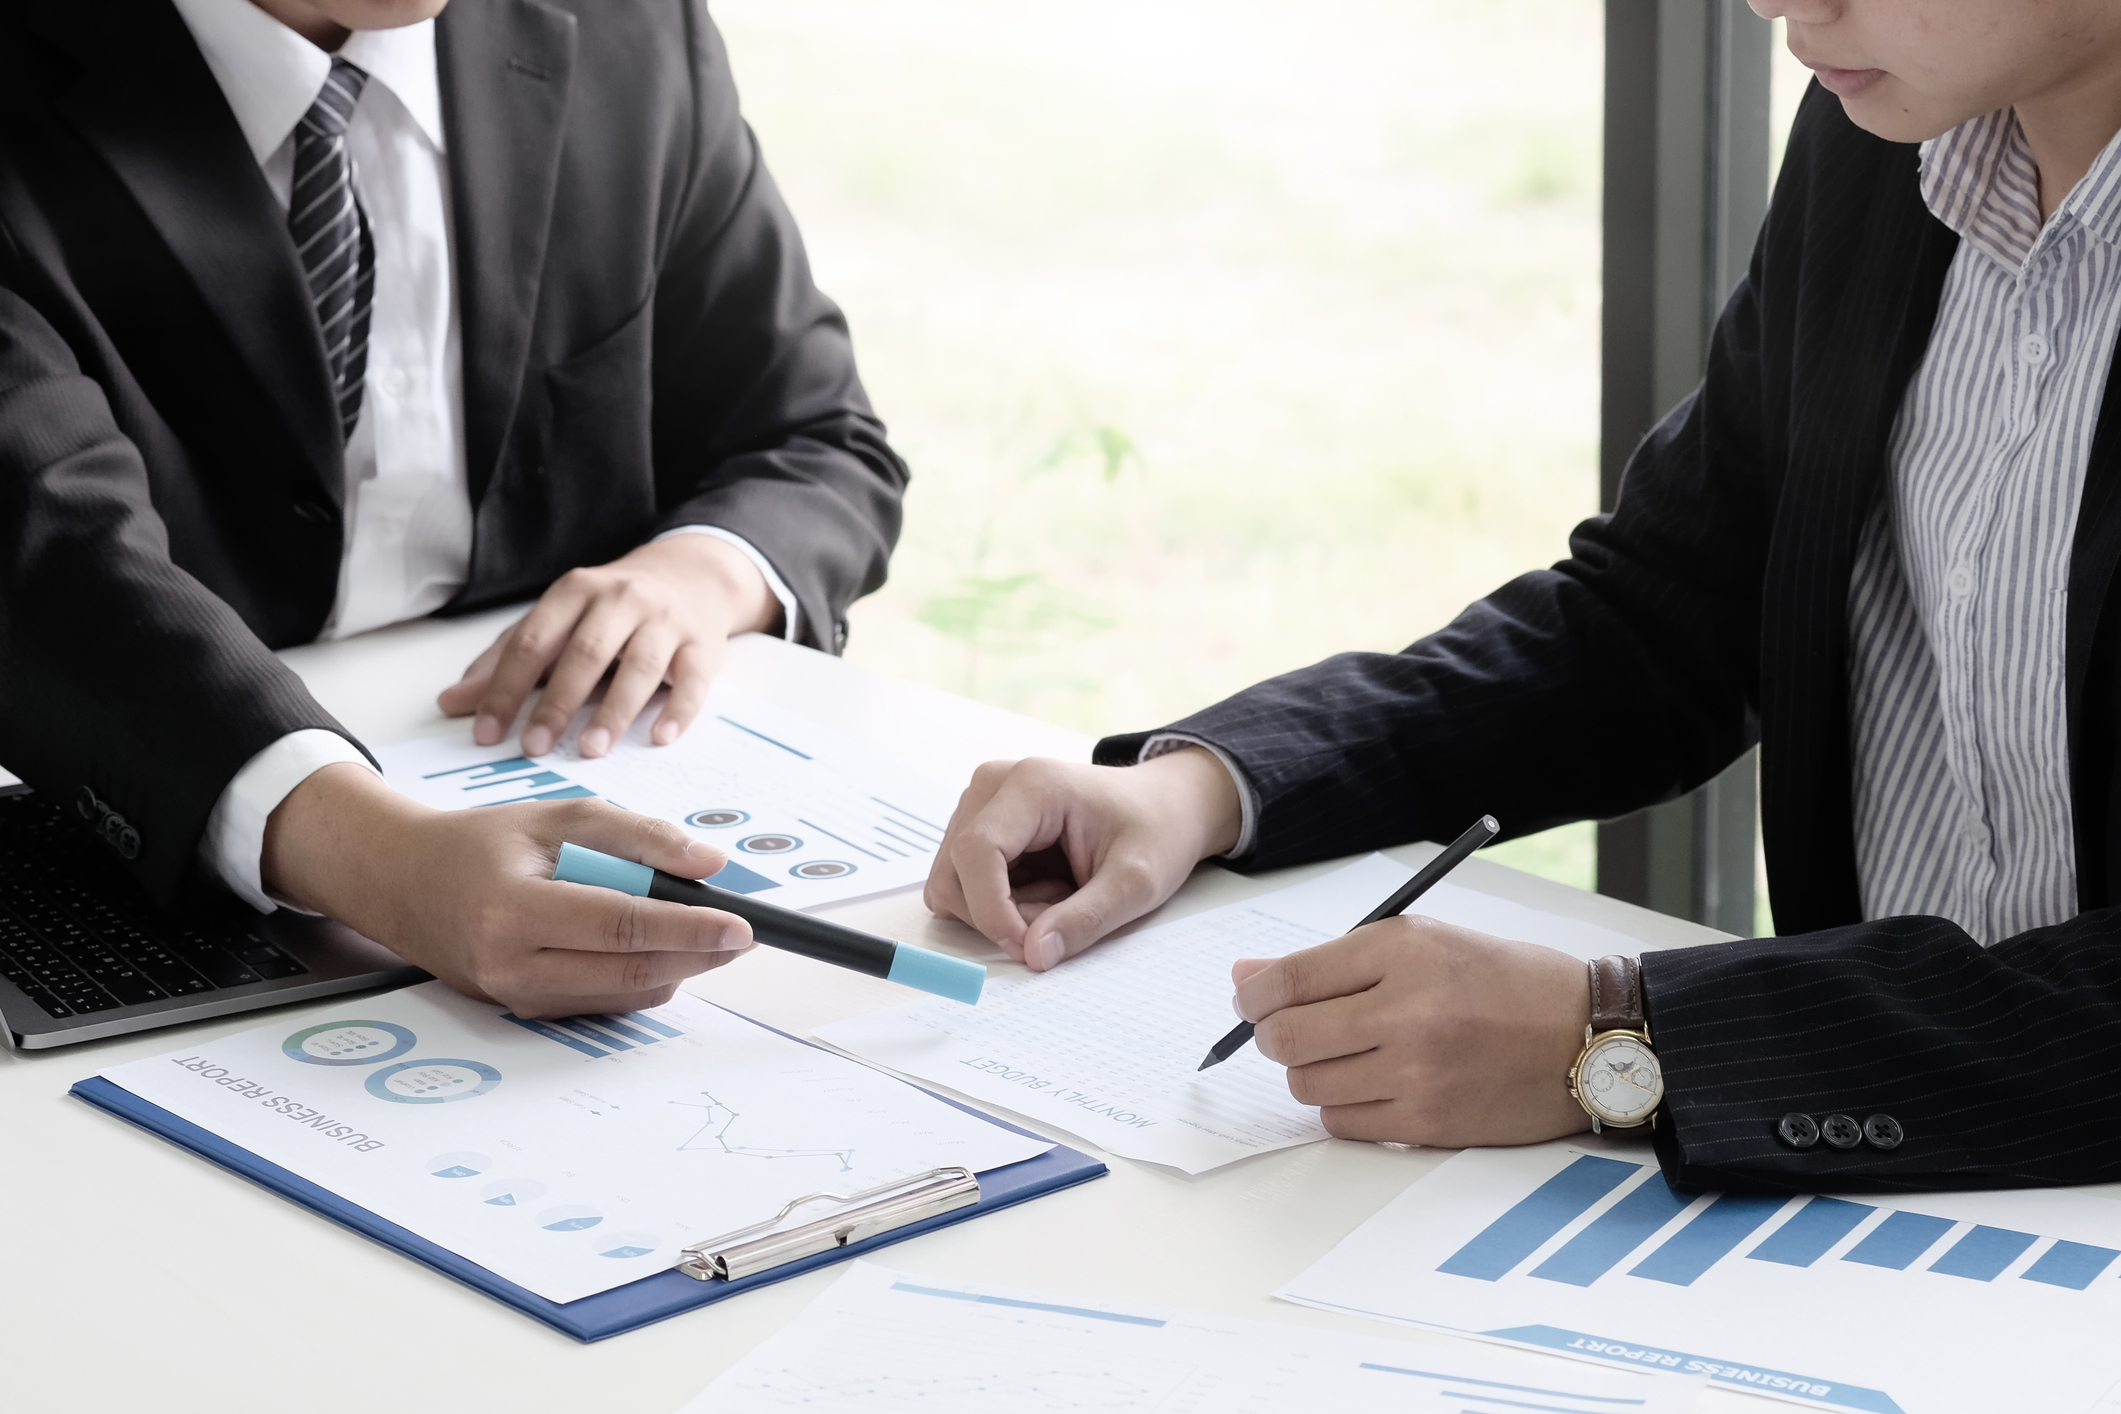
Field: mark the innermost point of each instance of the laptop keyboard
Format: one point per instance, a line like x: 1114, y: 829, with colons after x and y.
x: 78, y: 936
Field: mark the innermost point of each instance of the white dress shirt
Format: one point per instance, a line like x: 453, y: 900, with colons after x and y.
x: 407, y: 546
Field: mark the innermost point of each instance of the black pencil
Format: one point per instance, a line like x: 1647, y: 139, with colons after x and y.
x: 1454, y: 854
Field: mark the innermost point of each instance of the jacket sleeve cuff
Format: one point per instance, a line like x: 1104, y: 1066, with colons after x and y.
x: 790, y: 610
x: 1247, y: 797
x: 234, y: 843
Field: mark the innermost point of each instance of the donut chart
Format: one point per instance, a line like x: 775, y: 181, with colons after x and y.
x: 348, y: 1043
x: 432, y: 1082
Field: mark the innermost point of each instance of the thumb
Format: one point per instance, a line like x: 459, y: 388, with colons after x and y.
x: 1246, y: 968
x: 1118, y: 893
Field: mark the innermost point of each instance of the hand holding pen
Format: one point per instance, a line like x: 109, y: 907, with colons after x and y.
x: 1419, y: 1031
x: 1453, y: 855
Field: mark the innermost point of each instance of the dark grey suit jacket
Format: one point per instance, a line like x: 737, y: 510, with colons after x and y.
x: 643, y: 348
x: 1711, y: 608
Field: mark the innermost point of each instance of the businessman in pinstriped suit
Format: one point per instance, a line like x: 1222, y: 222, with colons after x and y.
x: 1881, y: 540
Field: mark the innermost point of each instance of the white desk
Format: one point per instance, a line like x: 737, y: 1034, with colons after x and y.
x: 137, y: 1277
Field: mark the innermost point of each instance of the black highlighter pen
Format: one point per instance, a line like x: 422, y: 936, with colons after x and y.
x: 1454, y: 854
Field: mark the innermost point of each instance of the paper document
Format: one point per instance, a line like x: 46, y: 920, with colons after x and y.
x: 571, y: 1156
x: 886, y: 1340
x: 1108, y: 1045
x: 808, y: 817
x: 1931, y: 1304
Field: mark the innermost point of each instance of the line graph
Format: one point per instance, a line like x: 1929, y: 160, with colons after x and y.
x: 712, y: 1137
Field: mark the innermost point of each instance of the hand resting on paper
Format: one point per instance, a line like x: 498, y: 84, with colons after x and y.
x: 1046, y: 857
x: 469, y: 895
x: 1420, y: 1032
x: 660, y: 614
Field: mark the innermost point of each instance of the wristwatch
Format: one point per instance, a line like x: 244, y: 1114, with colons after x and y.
x: 1616, y: 1078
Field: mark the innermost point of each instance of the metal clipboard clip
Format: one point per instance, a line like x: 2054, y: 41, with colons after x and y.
x: 882, y: 1208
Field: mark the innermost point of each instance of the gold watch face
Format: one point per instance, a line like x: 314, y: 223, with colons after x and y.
x: 1618, y: 1080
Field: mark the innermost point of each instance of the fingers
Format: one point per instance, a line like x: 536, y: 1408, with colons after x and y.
x: 1344, y: 966
x: 978, y: 850
x: 1379, y: 1121
x: 533, y: 646
x: 562, y: 982
x: 641, y: 838
x: 691, y: 673
x: 462, y: 696
x: 639, y: 675
x: 944, y: 894
x: 597, y: 638
x: 1306, y: 1035
x: 1124, y: 887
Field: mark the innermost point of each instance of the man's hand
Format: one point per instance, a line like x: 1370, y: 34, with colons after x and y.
x: 1045, y: 857
x: 469, y: 895
x: 663, y: 614
x: 1419, y: 1032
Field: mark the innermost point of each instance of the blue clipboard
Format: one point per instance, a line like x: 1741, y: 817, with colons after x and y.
x: 623, y: 1308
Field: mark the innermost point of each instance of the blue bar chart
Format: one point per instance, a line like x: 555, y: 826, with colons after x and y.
x: 598, y: 1036
x: 1715, y: 1231
x: 1889, y: 1305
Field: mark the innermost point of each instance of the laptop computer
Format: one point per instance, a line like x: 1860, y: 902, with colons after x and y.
x: 85, y: 954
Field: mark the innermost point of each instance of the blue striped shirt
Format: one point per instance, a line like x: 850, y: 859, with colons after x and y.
x: 1958, y: 601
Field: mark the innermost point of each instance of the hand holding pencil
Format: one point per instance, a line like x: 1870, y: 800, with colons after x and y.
x: 1416, y: 1031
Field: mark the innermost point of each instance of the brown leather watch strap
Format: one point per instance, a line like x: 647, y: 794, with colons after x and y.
x: 1616, y: 995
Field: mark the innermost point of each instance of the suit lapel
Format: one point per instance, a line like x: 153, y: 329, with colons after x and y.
x: 1868, y: 335
x: 147, y: 103
x: 506, y: 67
x: 2091, y: 653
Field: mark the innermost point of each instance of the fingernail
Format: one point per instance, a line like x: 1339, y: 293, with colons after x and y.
x: 737, y: 940
x: 595, y: 742
x: 665, y: 733
x: 1042, y: 952
x: 487, y: 730
x: 537, y: 740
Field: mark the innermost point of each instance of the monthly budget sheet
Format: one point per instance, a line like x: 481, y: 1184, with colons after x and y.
x: 1928, y: 1304
x: 570, y: 1156
x: 807, y: 816
x: 1108, y: 1044
x: 887, y: 1340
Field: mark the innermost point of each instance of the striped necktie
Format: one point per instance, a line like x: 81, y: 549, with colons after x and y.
x: 331, y: 236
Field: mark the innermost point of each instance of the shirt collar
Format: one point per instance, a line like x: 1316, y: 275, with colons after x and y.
x: 271, y: 75
x: 1979, y: 179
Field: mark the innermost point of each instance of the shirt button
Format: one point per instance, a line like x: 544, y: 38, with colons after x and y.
x: 396, y: 382
x: 2033, y: 348
x: 1960, y: 582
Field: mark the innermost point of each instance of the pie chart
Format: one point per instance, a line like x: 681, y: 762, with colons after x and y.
x: 628, y: 1244
x: 570, y: 1217
x: 511, y: 1192
x: 460, y: 1164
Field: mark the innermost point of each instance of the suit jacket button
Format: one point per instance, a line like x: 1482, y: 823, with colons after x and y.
x: 1841, y: 1131
x: 839, y: 635
x: 87, y: 804
x: 1883, y: 1131
x: 1797, y: 1130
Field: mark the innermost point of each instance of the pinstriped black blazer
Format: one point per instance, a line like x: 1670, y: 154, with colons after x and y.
x: 1711, y: 607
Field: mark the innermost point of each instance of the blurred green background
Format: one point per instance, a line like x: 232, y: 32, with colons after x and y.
x: 1220, y: 337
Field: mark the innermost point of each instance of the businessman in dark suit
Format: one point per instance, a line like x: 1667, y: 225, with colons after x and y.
x: 322, y: 314
x: 1881, y: 539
